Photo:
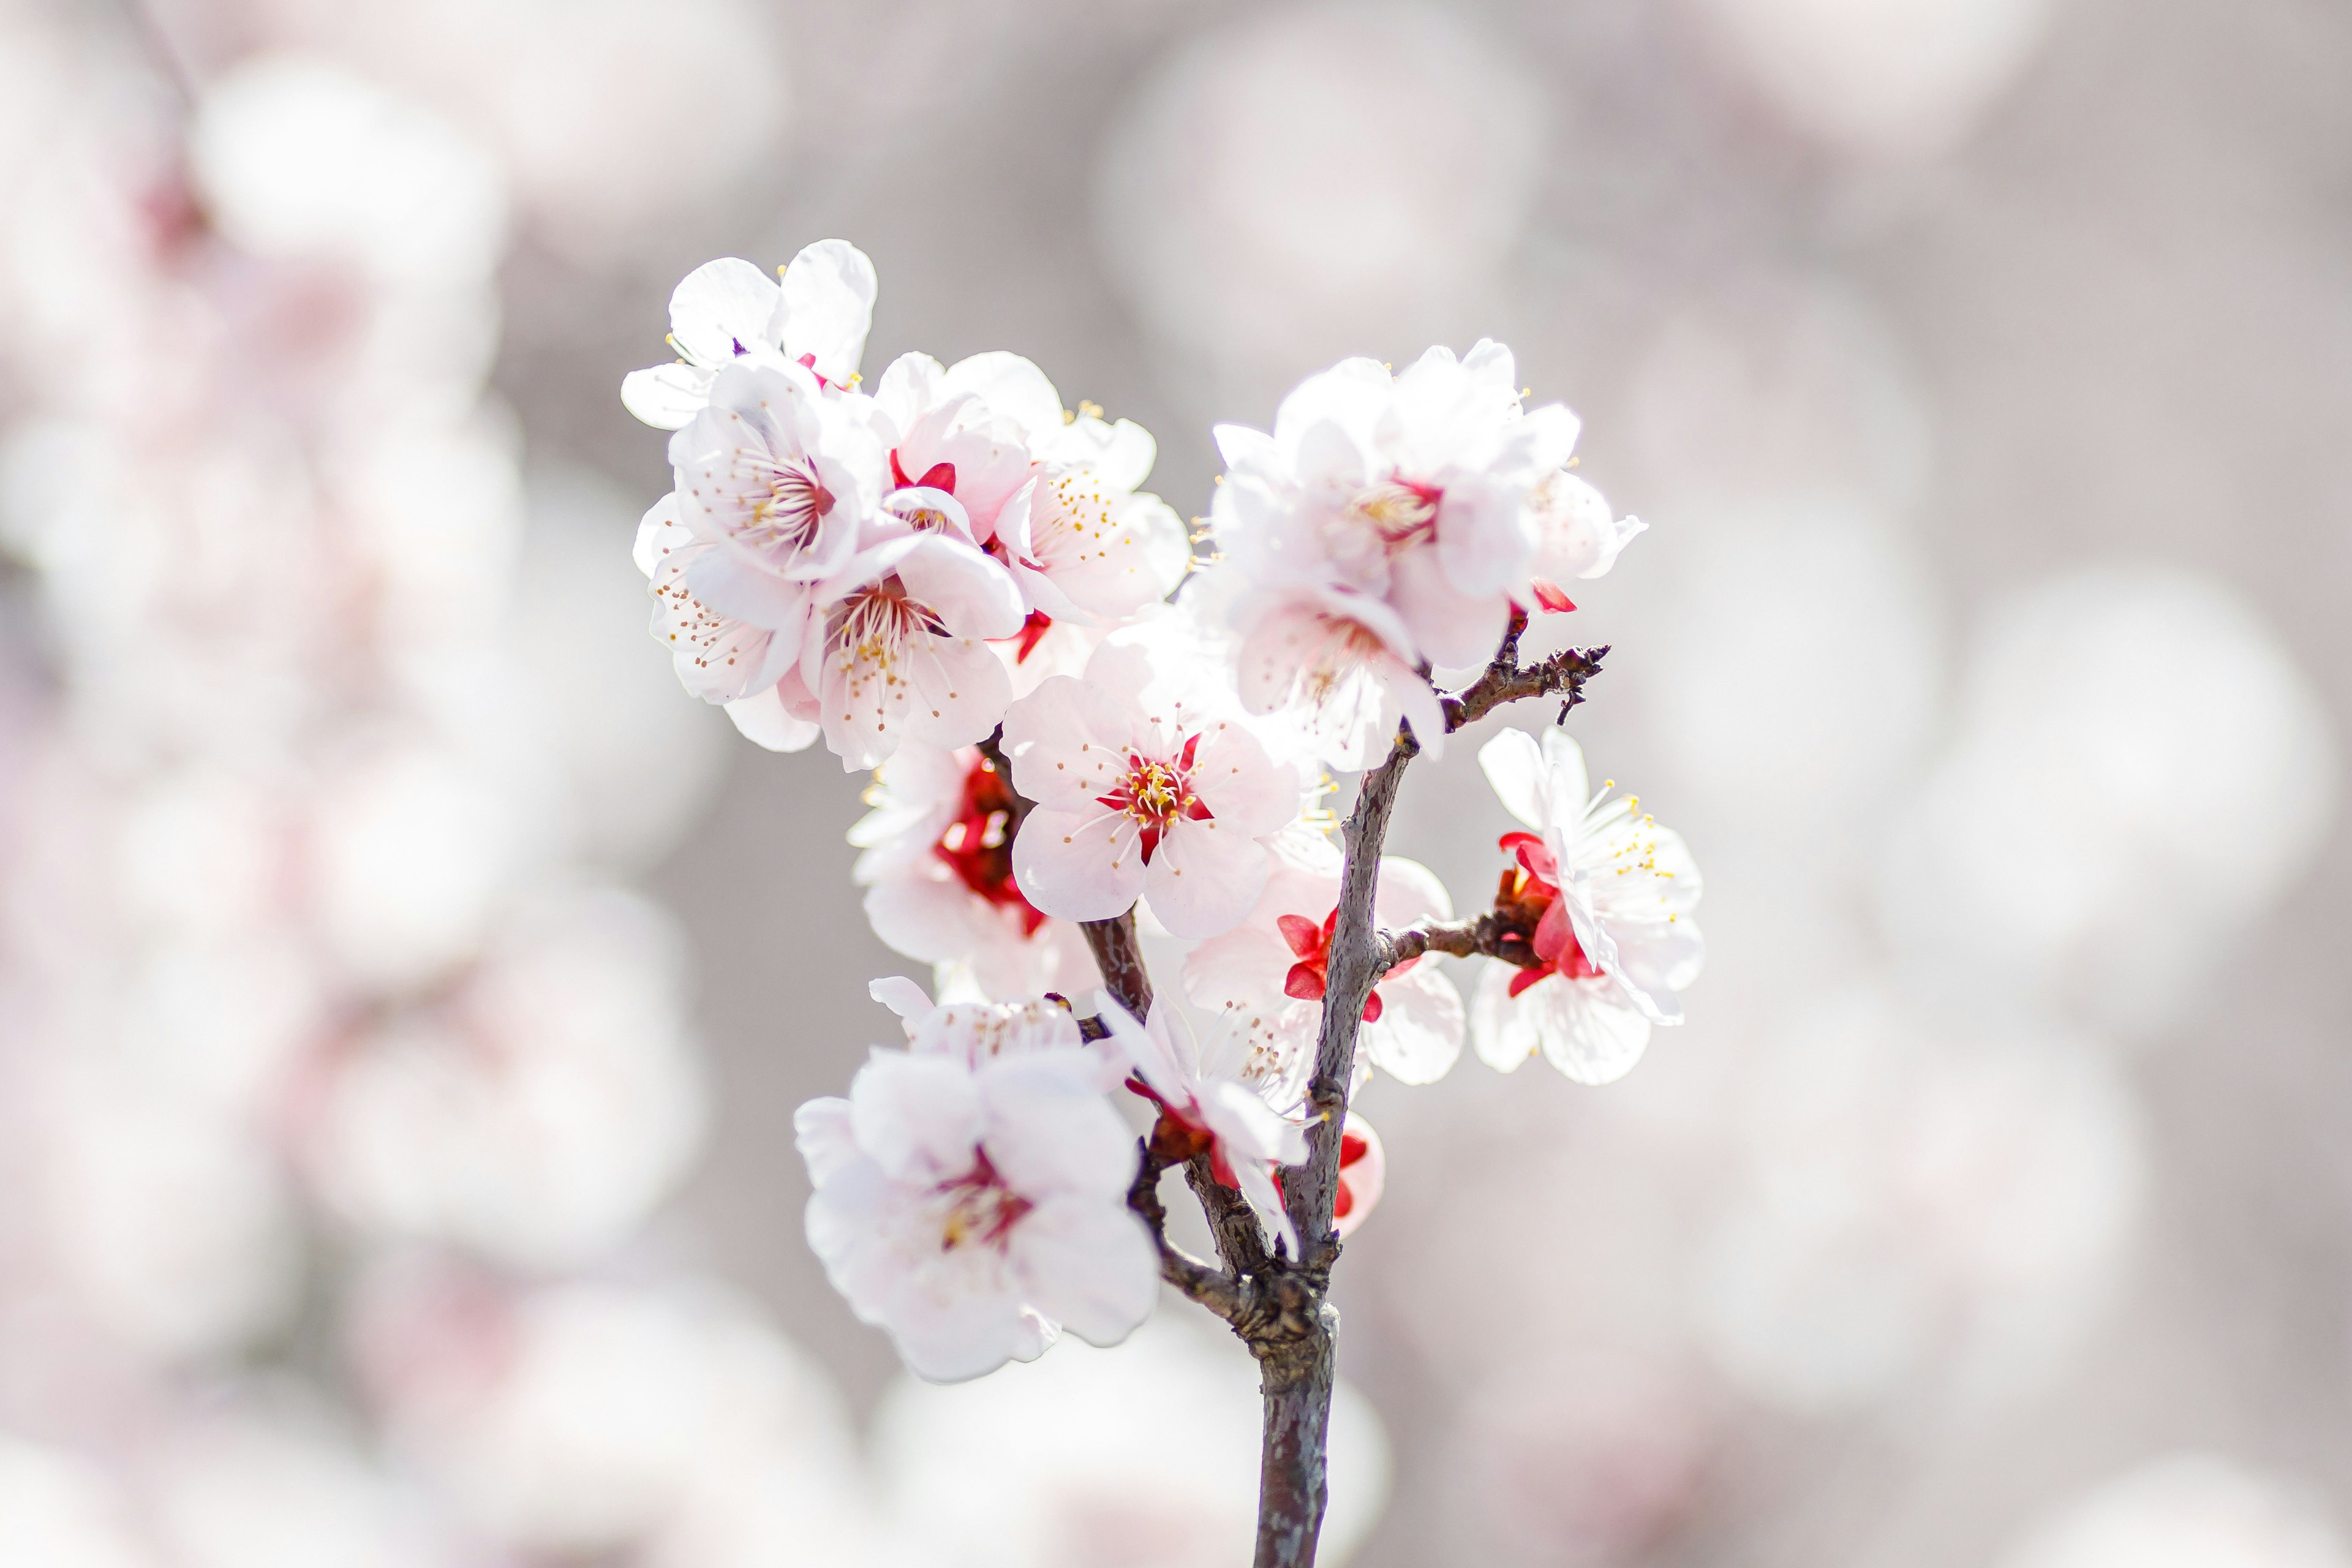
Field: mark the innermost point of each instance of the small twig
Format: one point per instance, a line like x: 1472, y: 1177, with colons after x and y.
x: 1507, y: 680
x: 1487, y: 935
x: 1203, y: 1282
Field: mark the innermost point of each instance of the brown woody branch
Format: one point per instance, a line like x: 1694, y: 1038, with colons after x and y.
x: 1492, y: 935
x: 1203, y: 1282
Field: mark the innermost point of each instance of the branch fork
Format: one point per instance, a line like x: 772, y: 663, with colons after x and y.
x: 1278, y: 1305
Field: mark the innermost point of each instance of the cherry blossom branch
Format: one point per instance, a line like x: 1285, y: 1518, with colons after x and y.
x: 1296, y: 1366
x: 1507, y: 680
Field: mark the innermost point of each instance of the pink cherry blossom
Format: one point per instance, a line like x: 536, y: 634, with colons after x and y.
x: 1233, y: 1093
x: 736, y: 660
x: 899, y: 650
x: 974, y: 1209
x: 775, y: 475
x: 937, y: 874
x: 1273, y: 965
x: 1053, y: 494
x: 1148, y: 784
x: 726, y: 311
x: 1611, y: 894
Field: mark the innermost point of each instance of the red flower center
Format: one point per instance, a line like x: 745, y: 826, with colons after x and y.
x: 980, y: 1207
x: 1156, y: 794
x: 977, y: 846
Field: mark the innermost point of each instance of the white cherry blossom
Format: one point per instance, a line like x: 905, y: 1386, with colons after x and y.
x: 1388, y: 523
x: 937, y: 867
x: 1232, y: 1093
x: 975, y: 1209
x: 1052, y: 493
x: 899, y: 650
x: 978, y: 1032
x: 1273, y: 965
x: 1148, y: 783
x: 728, y: 310
x: 1610, y: 894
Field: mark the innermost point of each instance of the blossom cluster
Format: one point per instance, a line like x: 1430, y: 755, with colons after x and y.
x: 958, y: 582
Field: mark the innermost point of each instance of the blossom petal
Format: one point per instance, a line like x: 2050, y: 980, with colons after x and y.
x: 1453, y: 629
x: 973, y: 595
x: 820, y: 1131
x: 1514, y: 765
x: 666, y: 396
x: 1078, y: 865
x: 1409, y: 891
x: 962, y: 690
x: 1011, y: 386
x: 827, y: 296
x: 1248, y: 791
x: 723, y: 308
x: 1050, y: 1131
x: 1418, y: 1035
x: 1205, y: 877
x: 1090, y: 1265
x: 764, y: 718
x: 1587, y: 1029
x: 918, y: 1117
x: 1064, y: 740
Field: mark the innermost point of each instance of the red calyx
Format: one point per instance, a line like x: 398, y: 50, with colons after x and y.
x: 1312, y: 945
x: 1033, y: 632
x: 938, y: 477
x: 1553, y: 601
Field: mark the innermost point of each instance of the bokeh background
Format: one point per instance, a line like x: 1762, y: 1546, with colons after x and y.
x: 405, y: 990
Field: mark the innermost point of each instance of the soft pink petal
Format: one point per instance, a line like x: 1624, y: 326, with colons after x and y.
x: 1089, y: 1265
x: 1418, y: 1034
x: 666, y: 396
x: 918, y: 1117
x: 1203, y: 878
x: 723, y: 308
x: 1066, y: 740
x: 1078, y: 865
x: 762, y: 717
x: 828, y: 303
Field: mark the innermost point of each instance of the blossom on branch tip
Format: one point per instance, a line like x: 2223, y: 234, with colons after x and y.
x: 1274, y: 966
x: 728, y: 312
x: 1388, y: 524
x: 1606, y: 896
x: 974, y: 1204
x: 1148, y: 784
x: 937, y: 867
x: 1222, y: 1096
